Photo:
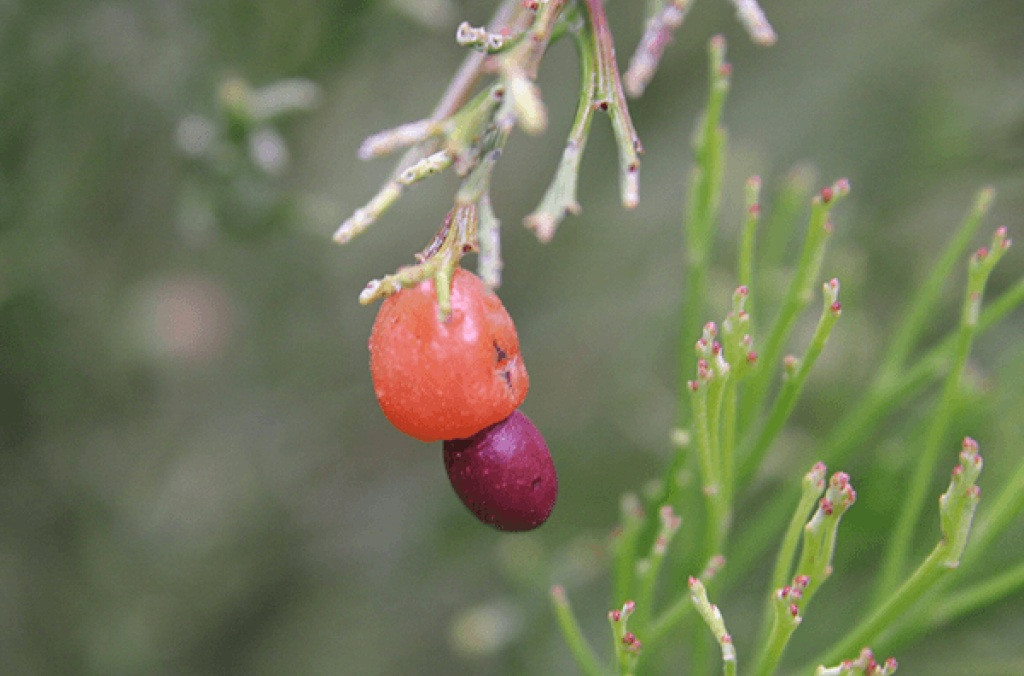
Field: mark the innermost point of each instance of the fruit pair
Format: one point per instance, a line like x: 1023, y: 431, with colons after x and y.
x: 461, y: 381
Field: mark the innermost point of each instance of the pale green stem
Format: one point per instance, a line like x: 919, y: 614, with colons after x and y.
x: 813, y: 485
x: 942, y: 612
x: 791, y: 390
x: 924, y: 578
x: 748, y: 237
x: 728, y: 439
x: 648, y: 580
x: 625, y: 548
x: 784, y: 217
x: 956, y: 513
x: 702, y: 212
x: 895, y: 561
x: 797, y: 297
x: 927, y: 295
x: 586, y: 658
x: 713, y: 618
x: 856, y: 427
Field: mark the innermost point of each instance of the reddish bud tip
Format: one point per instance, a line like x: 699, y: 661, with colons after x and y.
x: 974, y: 491
x: 694, y: 385
x: 891, y: 664
x: 836, y: 308
x: 970, y: 444
x: 629, y: 638
x: 802, y: 581
x: 826, y: 195
x: 982, y: 253
x: 716, y: 348
x: 725, y: 70
x: 726, y: 638
x: 827, y: 506
x: 743, y: 290
x: 751, y: 357
x: 628, y: 607
x: 615, y: 615
x: 755, y: 209
x: 691, y: 581
x: 794, y: 611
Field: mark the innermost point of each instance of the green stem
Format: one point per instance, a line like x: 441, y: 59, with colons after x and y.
x: 626, y: 547
x: 922, y: 306
x: 702, y: 212
x: 784, y: 216
x: 581, y: 651
x: 792, y: 387
x: 797, y: 297
x: 942, y: 612
x: 853, y: 431
x: 924, y: 578
x: 898, y: 552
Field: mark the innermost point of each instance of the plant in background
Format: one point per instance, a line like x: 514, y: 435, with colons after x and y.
x: 732, y: 405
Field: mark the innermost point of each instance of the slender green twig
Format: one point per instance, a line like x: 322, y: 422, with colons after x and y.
x: 624, y: 552
x: 745, y: 258
x: 956, y: 513
x: 783, y: 218
x: 652, y: 564
x: 797, y: 296
x: 894, y: 563
x: 581, y: 651
x: 625, y: 645
x: 812, y: 488
x: 944, y: 610
x: 921, y: 307
x: 702, y: 211
x: 1002, y: 512
x: 792, y: 387
x: 713, y: 618
x: 860, y: 423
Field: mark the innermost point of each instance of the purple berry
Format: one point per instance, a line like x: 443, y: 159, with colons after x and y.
x: 504, y: 474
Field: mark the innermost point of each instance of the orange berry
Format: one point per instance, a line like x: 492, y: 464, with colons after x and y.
x: 448, y: 380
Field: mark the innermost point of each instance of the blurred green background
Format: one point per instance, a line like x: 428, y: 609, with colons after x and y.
x: 194, y: 475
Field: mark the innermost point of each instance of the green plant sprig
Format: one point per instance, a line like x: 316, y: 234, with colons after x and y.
x: 713, y: 618
x: 797, y: 373
x: 956, y: 513
x: 815, y: 566
x: 798, y: 295
x: 584, y: 655
x: 855, y: 428
x: 980, y: 267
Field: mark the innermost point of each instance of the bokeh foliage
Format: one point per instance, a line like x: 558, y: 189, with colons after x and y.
x: 194, y: 475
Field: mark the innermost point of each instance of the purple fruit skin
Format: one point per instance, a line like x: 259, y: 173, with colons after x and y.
x: 504, y: 474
